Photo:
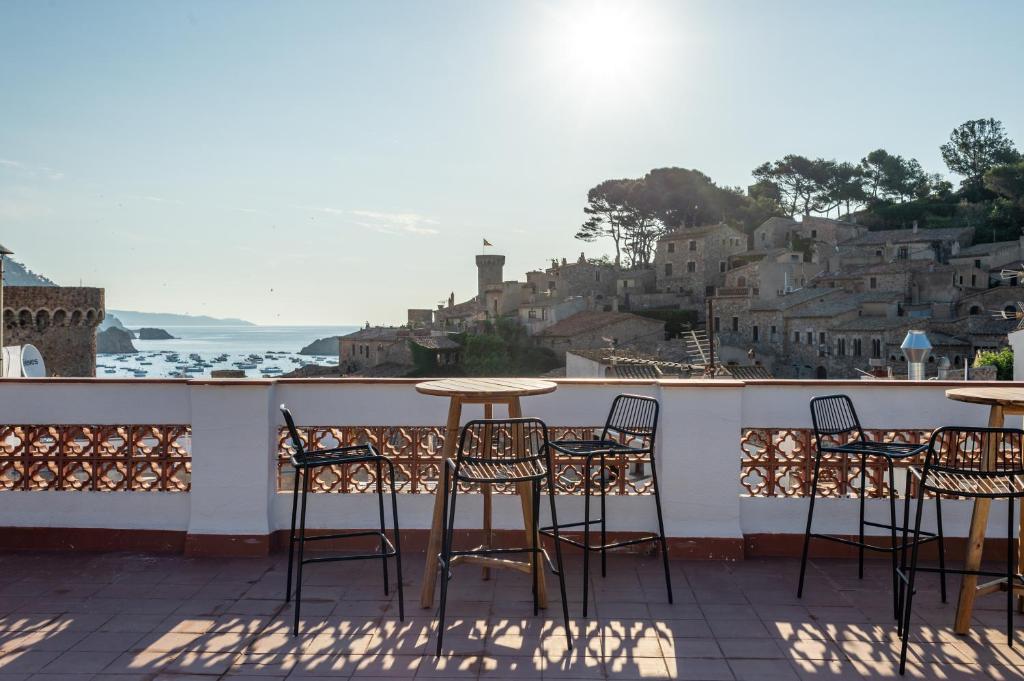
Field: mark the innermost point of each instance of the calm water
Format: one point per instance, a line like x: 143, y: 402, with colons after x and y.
x: 211, y: 342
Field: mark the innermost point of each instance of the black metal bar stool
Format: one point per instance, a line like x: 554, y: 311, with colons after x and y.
x: 492, y: 452
x: 632, y: 416
x: 979, y: 463
x: 834, y: 418
x: 306, y: 462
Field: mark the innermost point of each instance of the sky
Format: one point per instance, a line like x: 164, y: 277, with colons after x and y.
x: 339, y: 162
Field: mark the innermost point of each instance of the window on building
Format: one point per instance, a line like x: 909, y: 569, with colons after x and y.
x: 856, y: 347
x: 735, y: 324
x: 755, y: 333
x: 977, y: 263
x: 721, y: 266
x: 902, y: 254
x: 668, y: 269
x: 974, y: 280
x: 671, y: 247
x: 961, y: 280
x: 814, y: 234
x: 691, y: 266
x: 810, y: 338
x: 821, y: 337
x: 876, y: 348
x: 796, y: 336
x: 532, y: 314
x: 773, y: 332
x: 718, y: 324
x: 693, y: 245
x: 878, y: 252
x: 873, y: 283
x: 380, y: 347
x: 840, y: 347
x: 764, y: 237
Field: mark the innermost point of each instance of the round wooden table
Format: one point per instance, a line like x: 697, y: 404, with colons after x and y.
x: 1002, y: 402
x: 488, y: 392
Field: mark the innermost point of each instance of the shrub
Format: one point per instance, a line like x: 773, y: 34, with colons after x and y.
x: 1002, y: 360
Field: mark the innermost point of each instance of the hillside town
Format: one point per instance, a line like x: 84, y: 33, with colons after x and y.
x: 815, y: 298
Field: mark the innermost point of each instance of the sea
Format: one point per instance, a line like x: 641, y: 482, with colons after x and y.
x: 195, y: 351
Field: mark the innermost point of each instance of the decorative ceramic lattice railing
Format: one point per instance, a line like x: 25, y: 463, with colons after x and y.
x: 416, y: 454
x: 137, y: 458
x: 779, y: 462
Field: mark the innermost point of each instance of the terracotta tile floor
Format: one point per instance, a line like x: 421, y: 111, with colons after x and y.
x: 72, y: 617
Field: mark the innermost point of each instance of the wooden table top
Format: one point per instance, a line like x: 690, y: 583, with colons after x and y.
x: 1004, y: 397
x: 486, y: 387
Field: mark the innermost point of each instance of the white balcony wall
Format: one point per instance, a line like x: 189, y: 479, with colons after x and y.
x: 234, y: 426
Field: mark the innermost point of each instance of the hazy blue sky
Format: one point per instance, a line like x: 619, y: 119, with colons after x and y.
x: 335, y: 162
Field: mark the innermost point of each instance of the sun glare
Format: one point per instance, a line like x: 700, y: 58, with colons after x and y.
x: 595, y: 43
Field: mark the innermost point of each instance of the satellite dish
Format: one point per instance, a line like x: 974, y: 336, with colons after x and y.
x: 23, y: 361
x: 32, y: 365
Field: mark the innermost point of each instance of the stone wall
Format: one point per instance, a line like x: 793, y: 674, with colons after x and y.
x: 60, y: 321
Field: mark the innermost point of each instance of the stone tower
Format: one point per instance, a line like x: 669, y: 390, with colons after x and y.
x: 488, y: 272
x: 60, y: 321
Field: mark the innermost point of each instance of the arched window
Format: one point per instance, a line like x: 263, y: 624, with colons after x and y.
x: 974, y: 310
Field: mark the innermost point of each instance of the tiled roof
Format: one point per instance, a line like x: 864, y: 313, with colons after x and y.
x: 593, y: 320
x: 779, y: 223
x: 984, y: 249
x: 847, y: 302
x: 436, y: 343
x: 389, y: 333
x: 747, y: 372
x: 696, y: 232
x: 797, y: 297
x: 903, y: 236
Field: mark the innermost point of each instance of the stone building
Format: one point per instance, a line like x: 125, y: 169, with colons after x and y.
x: 375, y: 345
x: 979, y: 266
x: 694, y: 261
x: 892, y: 245
x: 592, y: 329
x: 571, y: 279
x: 60, y: 321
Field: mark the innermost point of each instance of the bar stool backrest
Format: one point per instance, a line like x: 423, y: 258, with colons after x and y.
x: 293, y: 432
x: 959, y: 449
x: 834, y: 416
x: 506, y: 441
x: 634, y: 416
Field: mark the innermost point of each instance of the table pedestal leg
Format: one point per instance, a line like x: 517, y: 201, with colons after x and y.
x: 976, y: 541
x: 451, y: 441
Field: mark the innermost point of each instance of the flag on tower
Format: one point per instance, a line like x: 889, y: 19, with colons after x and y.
x: 487, y: 243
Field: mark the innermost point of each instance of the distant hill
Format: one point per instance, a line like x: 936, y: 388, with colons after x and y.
x: 161, y: 319
x: 16, y: 274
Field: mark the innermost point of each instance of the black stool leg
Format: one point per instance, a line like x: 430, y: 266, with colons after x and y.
x: 807, y: 530
x: 302, y: 547
x: 942, y: 545
x: 447, y: 528
x: 661, y: 528
x: 586, y: 531
x: 398, y: 540
x: 901, y: 597
x: 604, y: 527
x: 860, y: 549
x: 534, y: 546
x: 291, y: 534
x: 916, y: 543
x: 383, y: 541
x: 892, y: 533
x: 558, y: 551
x: 1011, y: 570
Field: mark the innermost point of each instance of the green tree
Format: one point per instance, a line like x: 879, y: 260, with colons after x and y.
x: 1006, y: 180
x: 892, y: 177
x: 976, y: 146
x: 1002, y: 360
x: 486, y: 354
x: 801, y: 182
x: 607, y: 214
